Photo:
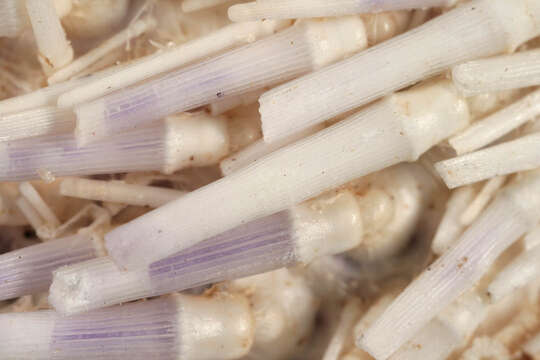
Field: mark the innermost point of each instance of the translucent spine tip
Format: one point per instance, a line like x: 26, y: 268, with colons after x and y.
x: 29, y: 270
x: 13, y: 18
x: 499, y: 73
x: 514, y: 212
x: 55, y: 50
x: 495, y: 126
x: 118, y: 192
x: 294, y: 9
x: 147, y: 67
x: 36, y: 122
x: 275, y: 59
x: 137, y: 28
x: 479, y: 28
x: 506, y: 158
x: 379, y: 136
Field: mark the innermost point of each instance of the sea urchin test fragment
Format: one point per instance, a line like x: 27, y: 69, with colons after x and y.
x: 477, y: 28
x: 297, y: 50
x: 290, y: 9
x: 515, y: 211
x: 399, y: 128
x: 329, y: 224
x: 175, y: 327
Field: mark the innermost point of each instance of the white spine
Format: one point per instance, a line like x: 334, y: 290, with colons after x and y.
x: 47, y: 96
x: 55, y: 51
x: 292, y: 9
x: 272, y: 60
x: 514, y: 212
x: 479, y: 28
x: 26, y: 336
x: 499, y: 73
x: 225, y: 38
x: 118, y: 192
x: 36, y: 122
x: 222, y: 106
x: 493, y: 127
x: 399, y: 128
x: 117, y: 40
x: 487, y: 193
x: 259, y: 149
x: 506, y: 158
x: 327, y: 225
x: 99, y: 283
x: 450, y: 226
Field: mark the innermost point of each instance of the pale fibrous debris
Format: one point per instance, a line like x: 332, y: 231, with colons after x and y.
x: 315, y: 159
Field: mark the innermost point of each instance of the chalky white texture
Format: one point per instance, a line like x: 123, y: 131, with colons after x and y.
x: 506, y: 158
x: 55, y: 51
x: 291, y: 9
x: 146, y: 67
x: 514, y: 212
x: 505, y: 72
x: 396, y: 129
x: 495, y: 126
x: 476, y: 29
x: 275, y: 59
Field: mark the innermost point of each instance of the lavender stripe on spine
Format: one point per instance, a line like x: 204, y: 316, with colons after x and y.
x: 258, y: 246
x: 329, y: 224
x: 306, y: 46
x: 29, y: 270
x: 138, y: 331
x: 230, y: 74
